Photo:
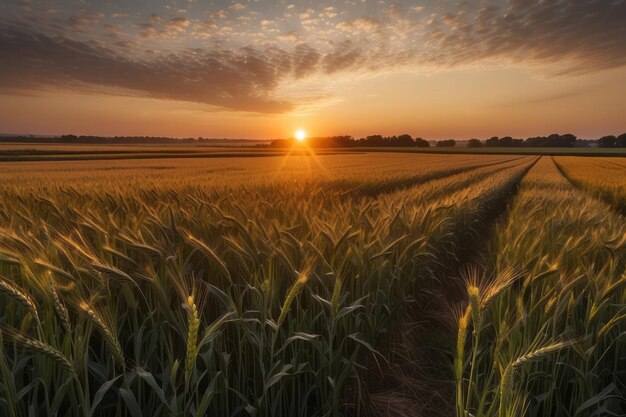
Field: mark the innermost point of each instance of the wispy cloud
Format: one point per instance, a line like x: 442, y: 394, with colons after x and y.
x: 547, y: 98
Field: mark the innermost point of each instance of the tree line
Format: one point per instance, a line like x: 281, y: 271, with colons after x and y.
x: 349, y: 141
x: 552, y: 141
x: 555, y: 140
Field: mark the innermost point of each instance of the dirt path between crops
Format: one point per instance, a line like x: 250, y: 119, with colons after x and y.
x: 419, y: 381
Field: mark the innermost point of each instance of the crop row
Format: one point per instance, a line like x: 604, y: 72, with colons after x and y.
x: 543, y: 330
x: 603, y: 177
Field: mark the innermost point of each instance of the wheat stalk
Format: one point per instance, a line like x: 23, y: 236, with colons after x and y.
x: 193, y: 326
x: 541, y: 353
x: 20, y: 296
x: 610, y: 324
x: 459, y: 359
x: 474, y: 299
x: 111, y: 271
x: 460, y: 342
x: 293, y: 292
x: 506, y: 387
x: 60, y: 308
x: 106, y: 332
x: 39, y: 347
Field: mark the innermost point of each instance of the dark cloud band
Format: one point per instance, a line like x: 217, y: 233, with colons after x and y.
x: 241, y: 79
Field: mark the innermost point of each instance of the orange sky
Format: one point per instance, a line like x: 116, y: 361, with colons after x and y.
x: 264, y: 69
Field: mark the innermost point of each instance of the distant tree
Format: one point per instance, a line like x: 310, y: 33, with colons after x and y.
x: 493, y: 141
x: 281, y: 143
x: 448, y: 143
x: 554, y: 140
x: 621, y: 141
x: 568, y: 140
x: 534, y: 141
x: 374, y: 140
x: 560, y: 141
x: 607, y: 141
x: 474, y: 143
x: 405, y: 140
x: 422, y: 143
x: 506, y: 141
x: 69, y: 138
x: 509, y: 142
x: 344, y: 140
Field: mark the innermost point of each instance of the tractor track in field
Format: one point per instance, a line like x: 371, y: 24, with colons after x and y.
x: 599, y: 195
x: 421, y: 383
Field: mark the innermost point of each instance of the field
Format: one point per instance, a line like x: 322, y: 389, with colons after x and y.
x: 362, y: 283
x: 484, y: 150
x: 20, y: 152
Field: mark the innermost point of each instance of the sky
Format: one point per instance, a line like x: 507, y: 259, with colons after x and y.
x: 262, y: 69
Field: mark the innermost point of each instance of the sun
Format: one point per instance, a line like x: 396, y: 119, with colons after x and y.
x: 300, y: 135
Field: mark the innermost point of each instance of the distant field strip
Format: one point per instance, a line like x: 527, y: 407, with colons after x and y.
x: 115, y: 155
x: 350, y: 170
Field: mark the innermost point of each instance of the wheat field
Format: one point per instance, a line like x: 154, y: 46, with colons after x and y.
x: 329, y: 285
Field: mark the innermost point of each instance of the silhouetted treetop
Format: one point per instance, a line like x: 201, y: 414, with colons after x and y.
x: 448, y: 143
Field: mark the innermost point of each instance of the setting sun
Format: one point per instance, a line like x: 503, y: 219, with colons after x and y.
x: 300, y: 135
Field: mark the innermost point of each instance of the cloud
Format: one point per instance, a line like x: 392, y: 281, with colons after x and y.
x: 579, y: 36
x: 178, y: 24
x: 548, y: 98
x: 162, y: 28
x: 82, y: 21
x: 305, y: 60
x: 344, y: 56
x: 242, y: 79
x: 290, y: 37
x: 113, y: 30
x: 370, y: 26
x: 241, y: 62
x: 148, y: 30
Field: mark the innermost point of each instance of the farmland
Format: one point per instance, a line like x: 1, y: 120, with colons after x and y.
x: 24, y: 152
x: 364, y: 283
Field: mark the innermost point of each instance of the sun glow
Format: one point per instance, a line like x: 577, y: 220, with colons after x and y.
x: 300, y: 135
